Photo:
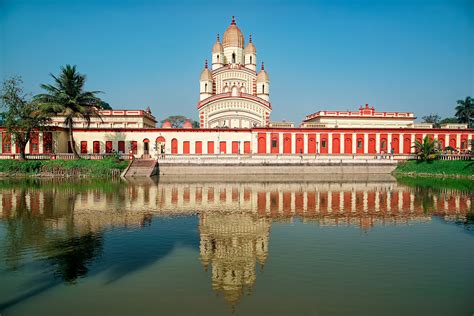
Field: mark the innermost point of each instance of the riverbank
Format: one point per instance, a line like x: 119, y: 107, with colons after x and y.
x: 62, y: 168
x: 436, y: 168
x: 274, y: 165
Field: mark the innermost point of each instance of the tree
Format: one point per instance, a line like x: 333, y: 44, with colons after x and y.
x: 66, y: 97
x: 465, y: 111
x: 433, y: 119
x: 22, y: 116
x: 177, y: 121
x: 427, y: 149
x: 448, y: 120
x: 104, y: 105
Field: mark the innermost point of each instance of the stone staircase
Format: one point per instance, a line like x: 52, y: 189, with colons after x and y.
x: 141, y: 168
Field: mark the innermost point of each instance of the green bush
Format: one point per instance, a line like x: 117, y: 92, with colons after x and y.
x: 80, y: 167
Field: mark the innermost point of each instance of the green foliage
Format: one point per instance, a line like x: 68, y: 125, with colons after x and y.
x: 448, y: 120
x: 21, y: 116
x: 81, y: 167
x: 104, y: 105
x: 426, y: 150
x: 437, y: 167
x: 67, y: 97
x: 433, y: 119
x: 465, y: 111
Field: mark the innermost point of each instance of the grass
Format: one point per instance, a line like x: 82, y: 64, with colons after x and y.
x: 464, y: 168
x: 79, y: 167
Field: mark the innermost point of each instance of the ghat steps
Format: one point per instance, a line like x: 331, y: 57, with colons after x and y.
x: 141, y: 168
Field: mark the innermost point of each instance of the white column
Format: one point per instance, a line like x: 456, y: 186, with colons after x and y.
x: 329, y: 144
x: 280, y: 143
x: 341, y: 142
x: 318, y: 142
x: 268, y: 142
x: 412, y: 143
x: 458, y: 140
x: 254, y: 140
x: 354, y: 143
x: 377, y: 142
x: 305, y: 143
x: 366, y: 143
x: 402, y: 142
x: 389, y: 143
x: 293, y: 143
x: 40, y: 142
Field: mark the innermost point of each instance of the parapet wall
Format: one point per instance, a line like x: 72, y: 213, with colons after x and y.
x: 301, y: 168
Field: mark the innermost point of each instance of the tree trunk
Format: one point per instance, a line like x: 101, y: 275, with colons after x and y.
x: 22, y: 150
x: 71, y: 141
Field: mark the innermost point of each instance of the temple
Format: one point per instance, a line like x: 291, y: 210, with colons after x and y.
x: 234, y: 114
x: 233, y: 94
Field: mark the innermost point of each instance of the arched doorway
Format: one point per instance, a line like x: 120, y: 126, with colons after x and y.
x: 395, y: 145
x: 160, y: 145
x: 146, y: 147
x: 287, y: 143
x: 174, y: 146
x: 348, y: 145
x: 407, y: 144
x: 262, y: 144
x: 336, y: 145
x: 299, y: 143
x: 371, y: 148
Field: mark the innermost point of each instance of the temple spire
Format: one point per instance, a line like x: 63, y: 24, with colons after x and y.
x: 233, y: 20
x: 263, y: 66
x: 205, y: 64
x: 250, y: 38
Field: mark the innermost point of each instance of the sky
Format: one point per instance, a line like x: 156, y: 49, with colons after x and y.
x: 413, y: 55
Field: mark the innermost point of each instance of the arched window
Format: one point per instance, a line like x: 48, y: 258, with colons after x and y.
x: 235, y: 91
x: 205, y: 87
x: 233, y: 58
x: 263, y: 88
x: 250, y: 59
x: 218, y: 58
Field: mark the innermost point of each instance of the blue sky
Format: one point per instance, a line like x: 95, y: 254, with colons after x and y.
x: 396, y: 55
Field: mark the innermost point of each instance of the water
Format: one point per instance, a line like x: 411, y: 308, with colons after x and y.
x: 238, y: 246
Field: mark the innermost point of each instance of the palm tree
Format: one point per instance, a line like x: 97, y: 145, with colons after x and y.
x: 465, y: 111
x: 427, y: 149
x: 66, y: 97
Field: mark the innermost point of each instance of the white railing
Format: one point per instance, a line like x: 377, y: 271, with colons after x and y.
x: 64, y: 156
x: 284, y: 156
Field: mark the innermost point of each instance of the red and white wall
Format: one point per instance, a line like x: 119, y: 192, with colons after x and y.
x: 263, y: 141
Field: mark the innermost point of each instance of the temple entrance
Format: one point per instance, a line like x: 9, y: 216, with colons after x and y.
x: 146, y: 148
x: 160, y: 146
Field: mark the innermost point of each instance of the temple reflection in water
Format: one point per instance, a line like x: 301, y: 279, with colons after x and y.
x: 234, y: 217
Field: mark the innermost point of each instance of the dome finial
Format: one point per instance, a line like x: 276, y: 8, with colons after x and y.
x: 205, y: 64
x: 233, y: 20
x: 218, y: 38
x: 250, y: 38
x: 263, y: 66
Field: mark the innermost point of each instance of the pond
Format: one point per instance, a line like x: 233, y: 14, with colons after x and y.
x: 237, y: 246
